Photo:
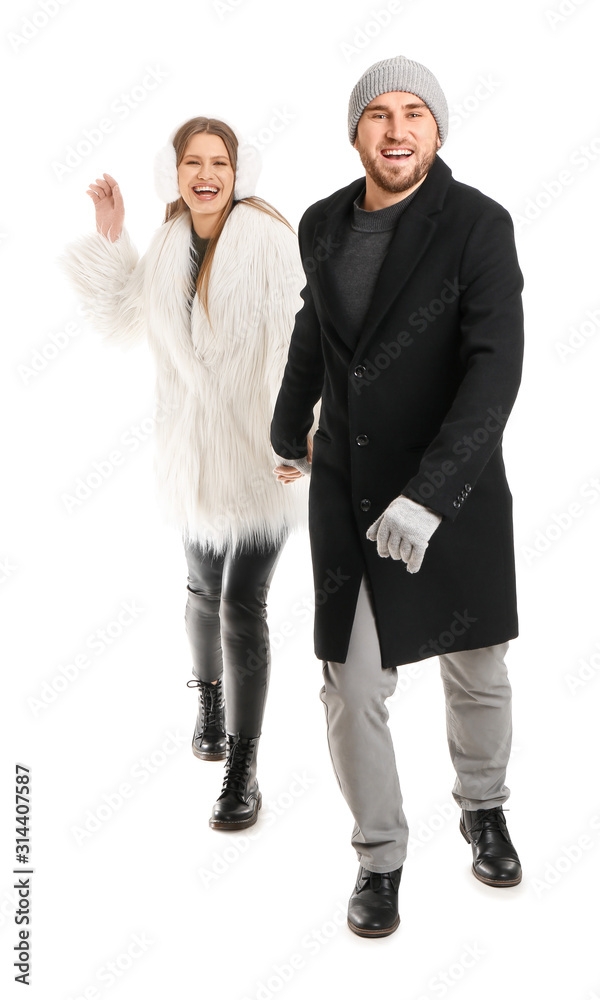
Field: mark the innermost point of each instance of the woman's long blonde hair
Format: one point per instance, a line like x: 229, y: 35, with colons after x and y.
x: 176, y: 208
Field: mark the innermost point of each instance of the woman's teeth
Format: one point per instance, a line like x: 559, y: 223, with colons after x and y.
x: 205, y: 191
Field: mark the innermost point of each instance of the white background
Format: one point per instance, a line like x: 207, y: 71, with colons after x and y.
x: 263, y: 914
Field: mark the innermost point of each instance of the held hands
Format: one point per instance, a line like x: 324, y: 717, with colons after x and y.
x: 110, y: 210
x: 287, y: 473
x: 403, y: 531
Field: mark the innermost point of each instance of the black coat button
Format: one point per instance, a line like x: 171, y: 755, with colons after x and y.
x: 468, y: 487
x: 456, y: 504
x: 359, y: 371
x: 365, y: 504
x: 362, y: 439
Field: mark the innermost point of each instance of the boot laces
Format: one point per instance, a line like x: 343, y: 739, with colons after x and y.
x: 212, y: 702
x: 490, y: 819
x: 237, y: 768
x: 376, y: 881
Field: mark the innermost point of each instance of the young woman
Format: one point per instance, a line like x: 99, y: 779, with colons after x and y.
x: 215, y: 294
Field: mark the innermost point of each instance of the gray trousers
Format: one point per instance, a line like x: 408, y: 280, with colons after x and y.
x: 478, y: 725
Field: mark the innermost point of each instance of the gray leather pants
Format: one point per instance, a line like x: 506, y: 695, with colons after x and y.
x: 479, y: 730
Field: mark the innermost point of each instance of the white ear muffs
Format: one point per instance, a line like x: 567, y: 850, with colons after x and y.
x: 249, y: 166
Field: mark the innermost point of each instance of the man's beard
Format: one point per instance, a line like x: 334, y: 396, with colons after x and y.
x: 402, y: 180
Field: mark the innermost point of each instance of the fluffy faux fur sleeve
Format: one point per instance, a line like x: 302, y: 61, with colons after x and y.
x: 109, y: 280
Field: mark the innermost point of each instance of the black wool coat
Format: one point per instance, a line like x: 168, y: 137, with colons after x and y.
x: 418, y: 408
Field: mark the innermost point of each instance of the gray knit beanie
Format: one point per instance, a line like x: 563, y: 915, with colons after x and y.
x: 401, y: 74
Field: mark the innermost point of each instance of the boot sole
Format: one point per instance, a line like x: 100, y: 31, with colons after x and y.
x: 221, y: 755
x: 237, y: 824
x: 488, y: 881
x: 382, y: 932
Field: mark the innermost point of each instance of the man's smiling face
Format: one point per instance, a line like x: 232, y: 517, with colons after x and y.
x: 397, y: 140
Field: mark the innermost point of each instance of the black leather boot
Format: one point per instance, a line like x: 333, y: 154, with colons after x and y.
x: 495, y: 860
x: 238, y: 804
x: 373, y: 906
x: 209, y: 740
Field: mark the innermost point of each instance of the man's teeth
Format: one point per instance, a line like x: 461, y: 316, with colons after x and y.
x: 397, y: 152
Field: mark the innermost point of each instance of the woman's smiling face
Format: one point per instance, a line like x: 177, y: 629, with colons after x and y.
x: 205, y: 165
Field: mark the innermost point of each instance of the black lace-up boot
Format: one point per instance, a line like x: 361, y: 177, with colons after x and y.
x: 238, y: 804
x: 373, y: 906
x: 495, y: 860
x: 209, y: 741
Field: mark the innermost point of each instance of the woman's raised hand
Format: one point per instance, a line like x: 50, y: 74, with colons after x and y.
x: 110, y: 210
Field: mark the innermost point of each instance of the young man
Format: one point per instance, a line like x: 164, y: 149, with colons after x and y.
x: 411, y: 334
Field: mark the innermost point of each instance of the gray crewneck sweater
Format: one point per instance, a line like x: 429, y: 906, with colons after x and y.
x: 358, y: 260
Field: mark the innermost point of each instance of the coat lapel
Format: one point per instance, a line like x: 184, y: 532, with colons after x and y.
x: 409, y: 243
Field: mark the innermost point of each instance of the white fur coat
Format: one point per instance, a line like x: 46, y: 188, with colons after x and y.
x: 215, y: 391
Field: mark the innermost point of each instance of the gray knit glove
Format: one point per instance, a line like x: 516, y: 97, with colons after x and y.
x: 403, y: 531
x: 298, y: 463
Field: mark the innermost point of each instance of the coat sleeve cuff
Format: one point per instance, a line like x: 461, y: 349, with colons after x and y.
x: 447, y: 505
x: 302, y: 464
